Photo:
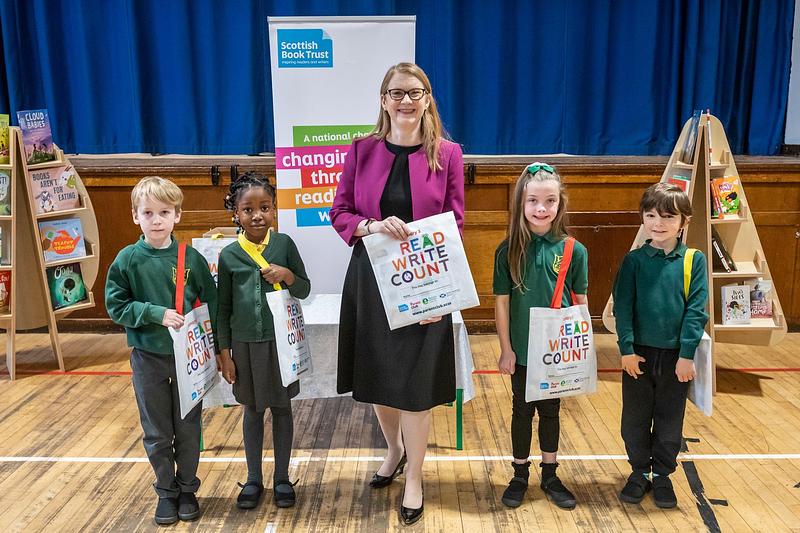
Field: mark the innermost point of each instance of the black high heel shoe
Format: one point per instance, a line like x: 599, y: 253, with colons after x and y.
x: 410, y: 516
x: 379, y: 481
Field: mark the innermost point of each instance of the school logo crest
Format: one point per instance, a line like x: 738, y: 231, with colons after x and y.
x: 557, y: 263
x: 185, y: 275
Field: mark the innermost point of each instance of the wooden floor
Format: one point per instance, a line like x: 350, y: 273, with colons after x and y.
x: 71, y: 456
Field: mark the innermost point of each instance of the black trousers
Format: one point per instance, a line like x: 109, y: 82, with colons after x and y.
x: 652, y: 412
x: 172, y: 443
x: 522, y: 418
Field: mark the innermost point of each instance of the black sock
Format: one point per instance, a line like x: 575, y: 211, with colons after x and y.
x: 548, y: 470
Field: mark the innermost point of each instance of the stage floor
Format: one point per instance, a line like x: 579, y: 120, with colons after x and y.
x: 71, y: 456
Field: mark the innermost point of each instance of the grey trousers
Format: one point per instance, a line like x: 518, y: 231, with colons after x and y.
x: 168, y: 440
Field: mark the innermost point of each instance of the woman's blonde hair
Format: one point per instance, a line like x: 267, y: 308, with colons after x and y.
x: 431, y: 125
x: 519, y: 233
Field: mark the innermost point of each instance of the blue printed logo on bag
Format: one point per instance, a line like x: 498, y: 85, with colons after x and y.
x: 402, y: 308
x: 194, y: 395
x: 306, y: 48
x: 544, y: 386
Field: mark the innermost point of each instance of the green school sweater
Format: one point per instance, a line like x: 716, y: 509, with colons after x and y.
x: 543, y: 257
x: 649, y: 303
x: 243, y: 311
x: 140, y: 287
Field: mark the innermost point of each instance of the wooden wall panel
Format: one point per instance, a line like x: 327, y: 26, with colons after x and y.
x: 603, y: 194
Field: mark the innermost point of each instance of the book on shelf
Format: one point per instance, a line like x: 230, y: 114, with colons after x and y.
x: 5, y: 154
x: 680, y: 181
x: 5, y: 291
x: 721, y: 260
x: 62, y: 239
x: 760, y: 298
x: 735, y: 304
x: 687, y: 153
x: 55, y: 189
x: 37, y: 139
x: 5, y: 192
x: 725, y: 192
x: 66, y: 285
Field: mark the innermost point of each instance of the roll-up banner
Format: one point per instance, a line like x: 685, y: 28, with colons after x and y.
x: 326, y: 75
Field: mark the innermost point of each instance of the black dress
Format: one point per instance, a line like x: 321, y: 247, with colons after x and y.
x: 411, y: 368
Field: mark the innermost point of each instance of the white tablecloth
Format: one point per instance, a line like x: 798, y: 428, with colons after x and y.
x: 322, y: 322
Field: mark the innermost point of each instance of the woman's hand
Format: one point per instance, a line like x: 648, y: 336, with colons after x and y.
x: 226, y: 366
x: 393, y: 227
x: 507, y: 363
x: 276, y: 274
x: 431, y: 320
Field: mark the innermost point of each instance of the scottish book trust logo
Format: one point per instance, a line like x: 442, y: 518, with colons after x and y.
x: 307, y: 48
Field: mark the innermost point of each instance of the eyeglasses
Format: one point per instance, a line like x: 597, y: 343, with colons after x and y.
x: 399, y: 94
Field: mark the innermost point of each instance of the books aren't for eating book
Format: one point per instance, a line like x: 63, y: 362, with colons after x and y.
x: 55, y: 189
x: 735, y: 304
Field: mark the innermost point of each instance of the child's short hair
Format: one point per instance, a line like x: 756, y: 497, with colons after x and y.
x: 159, y: 189
x: 246, y: 181
x: 666, y: 198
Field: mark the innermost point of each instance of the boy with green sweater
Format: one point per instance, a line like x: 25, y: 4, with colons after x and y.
x: 140, y: 295
x: 659, y: 325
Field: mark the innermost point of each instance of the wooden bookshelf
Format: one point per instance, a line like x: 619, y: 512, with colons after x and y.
x: 713, y: 159
x: 28, y: 257
x: 8, y: 223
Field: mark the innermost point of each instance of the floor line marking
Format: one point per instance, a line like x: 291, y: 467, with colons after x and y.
x: 432, y: 458
x: 474, y: 372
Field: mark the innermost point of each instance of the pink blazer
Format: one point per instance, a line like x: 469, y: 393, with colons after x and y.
x: 366, y: 169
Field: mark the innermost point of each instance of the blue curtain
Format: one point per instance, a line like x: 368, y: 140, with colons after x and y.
x: 514, y: 77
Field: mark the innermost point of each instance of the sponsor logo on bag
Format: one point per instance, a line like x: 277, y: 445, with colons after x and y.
x: 544, y: 386
x: 402, y: 308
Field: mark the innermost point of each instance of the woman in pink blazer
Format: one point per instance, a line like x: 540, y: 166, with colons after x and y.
x: 405, y: 170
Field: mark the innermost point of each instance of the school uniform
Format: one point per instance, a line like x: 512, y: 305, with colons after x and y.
x: 245, y: 325
x: 140, y: 287
x: 657, y: 321
x: 542, y: 261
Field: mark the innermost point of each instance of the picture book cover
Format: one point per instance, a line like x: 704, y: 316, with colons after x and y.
x: 66, y: 285
x: 37, y: 138
x: 761, y: 298
x: 62, y: 239
x: 5, y: 192
x: 721, y: 259
x: 735, y: 304
x: 687, y: 154
x: 5, y: 154
x: 680, y: 181
x: 727, y: 194
x: 5, y: 291
x: 55, y: 189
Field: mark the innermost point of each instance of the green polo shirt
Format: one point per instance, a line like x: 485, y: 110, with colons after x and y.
x: 243, y: 311
x: 649, y: 303
x: 543, y: 257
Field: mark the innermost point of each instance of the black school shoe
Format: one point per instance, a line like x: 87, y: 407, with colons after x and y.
x: 166, y: 511
x: 515, y: 492
x: 283, y: 493
x: 188, y: 508
x: 555, y: 490
x: 635, y: 489
x: 250, y: 495
x: 663, y: 493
